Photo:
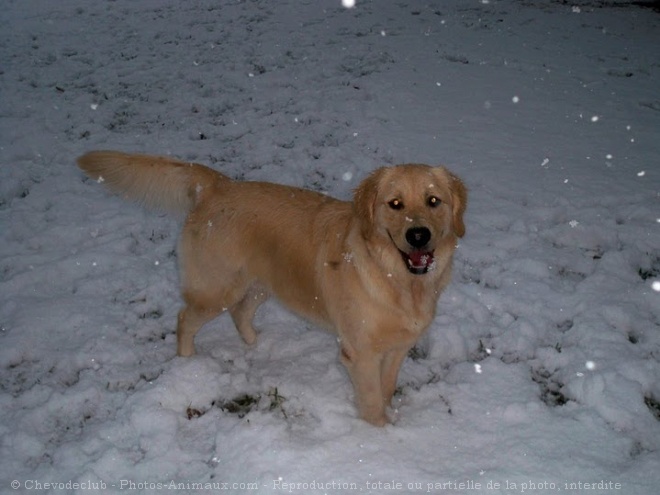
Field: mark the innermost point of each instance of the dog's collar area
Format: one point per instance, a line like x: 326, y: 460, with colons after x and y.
x: 418, y: 262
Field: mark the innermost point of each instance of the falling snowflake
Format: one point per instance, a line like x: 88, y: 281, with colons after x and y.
x: 573, y: 223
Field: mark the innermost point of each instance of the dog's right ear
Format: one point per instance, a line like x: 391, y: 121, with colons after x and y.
x: 364, y: 201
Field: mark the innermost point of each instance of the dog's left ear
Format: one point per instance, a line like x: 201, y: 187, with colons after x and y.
x: 459, y: 203
x: 364, y: 201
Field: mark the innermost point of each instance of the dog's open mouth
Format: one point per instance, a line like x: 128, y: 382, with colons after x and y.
x: 418, y: 262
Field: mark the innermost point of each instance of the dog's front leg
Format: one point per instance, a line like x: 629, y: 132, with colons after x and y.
x: 390, y: 372
x: 365, y: 372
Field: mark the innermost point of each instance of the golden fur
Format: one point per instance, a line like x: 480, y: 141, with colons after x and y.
x: 370, y: 270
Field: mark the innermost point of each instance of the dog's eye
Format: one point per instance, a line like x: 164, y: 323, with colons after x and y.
x: 434, y: 201
x: 396, y: 204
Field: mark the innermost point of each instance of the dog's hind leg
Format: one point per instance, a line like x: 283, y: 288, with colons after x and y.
x: 243, y: 313
x: 191, y: 319
x: 205, y: 301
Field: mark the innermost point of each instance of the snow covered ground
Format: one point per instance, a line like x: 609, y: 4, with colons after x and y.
x: 541, y: 371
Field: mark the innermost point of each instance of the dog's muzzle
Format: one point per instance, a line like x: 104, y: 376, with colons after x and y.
x: 419, y: 259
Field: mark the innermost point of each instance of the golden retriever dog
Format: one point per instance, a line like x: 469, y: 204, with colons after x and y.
x: 370, y: 270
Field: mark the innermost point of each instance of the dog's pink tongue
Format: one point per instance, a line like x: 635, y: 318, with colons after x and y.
x: 421, y: 258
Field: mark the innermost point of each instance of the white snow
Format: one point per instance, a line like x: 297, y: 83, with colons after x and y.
x: 541, y: 371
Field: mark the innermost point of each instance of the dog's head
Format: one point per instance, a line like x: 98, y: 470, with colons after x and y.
x: 416, y: 208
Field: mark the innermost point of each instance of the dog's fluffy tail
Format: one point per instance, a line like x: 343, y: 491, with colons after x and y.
x: 156, y: 182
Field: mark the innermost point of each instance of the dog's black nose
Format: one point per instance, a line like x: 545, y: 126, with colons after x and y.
x: 418, y: 237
